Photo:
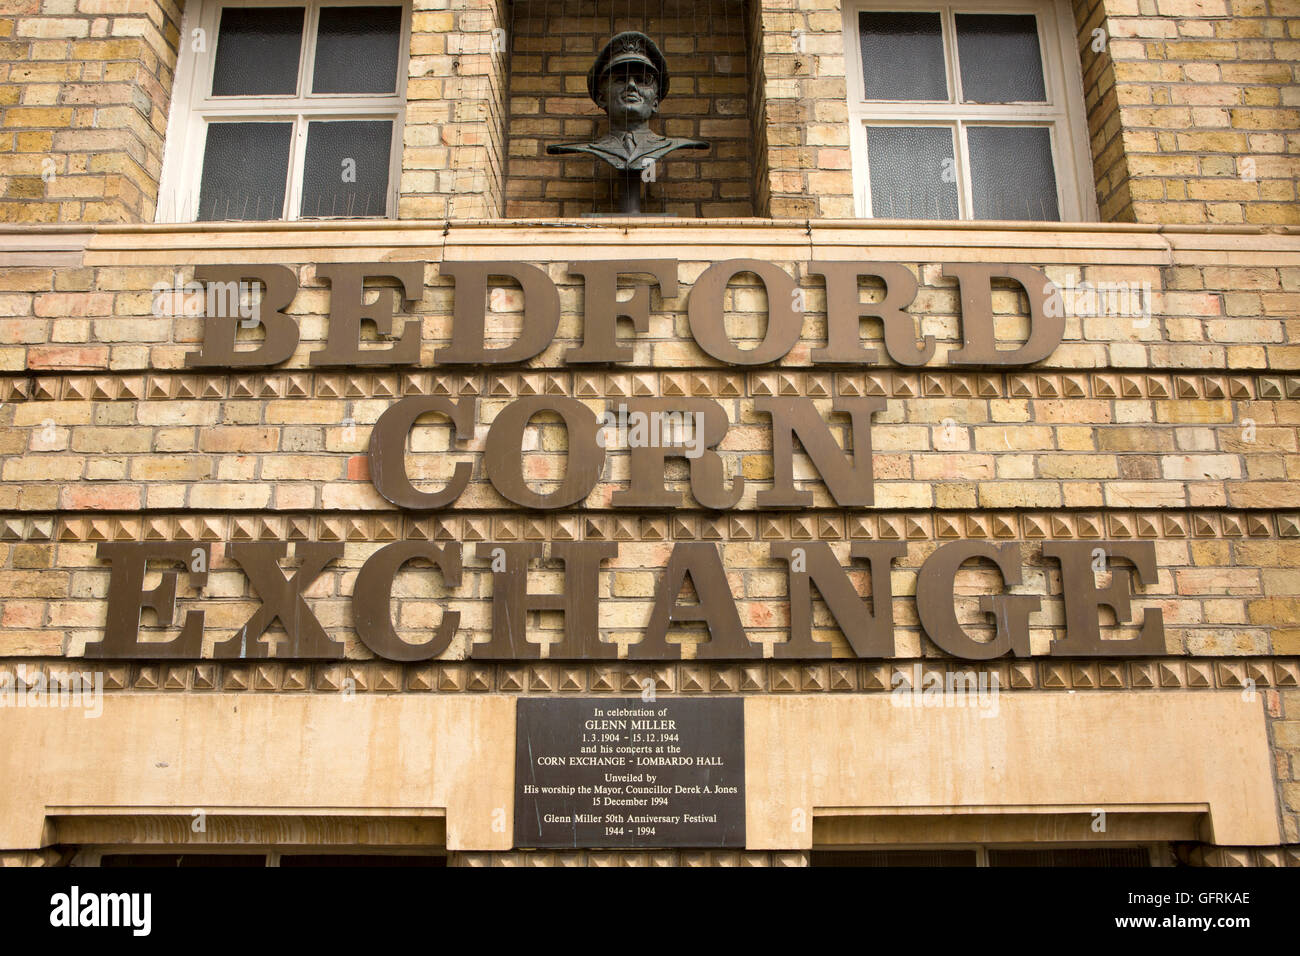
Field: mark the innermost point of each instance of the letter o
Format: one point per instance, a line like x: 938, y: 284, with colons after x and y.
x: 705, y: 313
x: 503, y: 459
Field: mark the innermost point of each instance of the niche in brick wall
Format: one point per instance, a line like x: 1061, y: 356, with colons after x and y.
x: 552, y: 46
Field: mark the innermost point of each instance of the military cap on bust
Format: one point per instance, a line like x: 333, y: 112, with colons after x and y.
x: 628, y: 47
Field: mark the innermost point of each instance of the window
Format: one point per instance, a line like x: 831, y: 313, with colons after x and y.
x: 286, y: 111
x: 967, y: 111
x: 219, y: 857
x: 1070, y: 856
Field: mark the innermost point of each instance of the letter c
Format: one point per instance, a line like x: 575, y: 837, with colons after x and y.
x: 388, y: 451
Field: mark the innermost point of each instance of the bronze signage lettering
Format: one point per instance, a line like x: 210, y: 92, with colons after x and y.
x: 845, y: 310
x: 845, y: 468
x: 979, y: 345
x: 602, y: 309
x: 348, y: 309
x: 221, y: 324
x: 705, y: 313
x: 849, y: 485
x: 282, y: 599
x: 869, y: 633
x: 388, y: 451
x: 868, y: 630
x: 1083, y: 598
x: 127, y: 598
x: 648, y: 460
x: 511, y: 600
x: 503, y: 457
x: 934, y: 602
x: 469, y: 316
x: 371, y: 606
x: 716, y: 608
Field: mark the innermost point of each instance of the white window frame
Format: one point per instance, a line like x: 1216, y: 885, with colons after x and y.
x: 1063, y: 113
x: 192, y: 108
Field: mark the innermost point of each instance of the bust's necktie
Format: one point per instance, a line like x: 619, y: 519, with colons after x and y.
x: 629, y: 143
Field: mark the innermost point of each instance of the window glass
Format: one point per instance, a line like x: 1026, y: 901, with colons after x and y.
x: 1011, y: 173
x: 356, y: 50
x: 1110, y: 856
x: 999, y: 58
x: 245, y: 167
x: 257, y: 51
x: 912, y: 172
x: 346, y: 173
x: 966, y: 114
x: 902, y: 56
x: 893, y: 858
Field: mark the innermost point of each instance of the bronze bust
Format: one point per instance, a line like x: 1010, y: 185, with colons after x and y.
x: 628, y: 81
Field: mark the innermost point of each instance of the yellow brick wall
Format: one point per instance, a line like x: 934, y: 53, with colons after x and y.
x: 1208, y: 103
x: 1193, y: 110
x: 84, y: 90
x: 453, y: 158
x: 1180, y: 429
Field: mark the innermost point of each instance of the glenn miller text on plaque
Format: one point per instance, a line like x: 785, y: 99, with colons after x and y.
x: 596, y: 772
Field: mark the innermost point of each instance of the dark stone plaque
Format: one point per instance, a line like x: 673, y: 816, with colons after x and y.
x: 611, y: 772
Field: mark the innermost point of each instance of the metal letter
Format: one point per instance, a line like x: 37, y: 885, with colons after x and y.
x: 648, y: 462
x: 388, y: 451
x: 348, y: 308
x: 1083, y: 598
x: 849, y: 485
x: 979, y: 343
x: 602, y: 308
x: 717, y: 609
x: 127, y: 598
x: 705, y: 313
x: 282, y: 598
x: 511, y: 602
x: 219, y: 331
x: 469, y: 315
x: 373, y: 595
x: 934, y: 601
x: 870, y: 634
x: 503, y: 458
x: 845, y: 311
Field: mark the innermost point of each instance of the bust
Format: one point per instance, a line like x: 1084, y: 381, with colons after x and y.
x: 628, y: 81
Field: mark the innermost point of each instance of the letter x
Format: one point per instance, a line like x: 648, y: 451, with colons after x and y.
x: 282, y: 598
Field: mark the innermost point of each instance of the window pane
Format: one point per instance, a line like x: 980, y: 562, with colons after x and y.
x: 356, y: 50
x: 183, y: 859
x: 1115, y: 856
x: 902, y: 56
x: 884, y: 858
x: 347, y: 168
x: 999, y: 59
x: 244, y: 170
x: 257, y: 51
x: 1011, y: 172
x: 912, y: 172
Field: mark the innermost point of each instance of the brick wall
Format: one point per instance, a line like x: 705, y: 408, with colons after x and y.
x: 454, y: 148
x: 804, y: 94
x: 1208, y: 109
x: 84, y: 90
x: 1105, y: 136
x: 1179, y: 429
x: 1193, y: 108
x: 554, y: 46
